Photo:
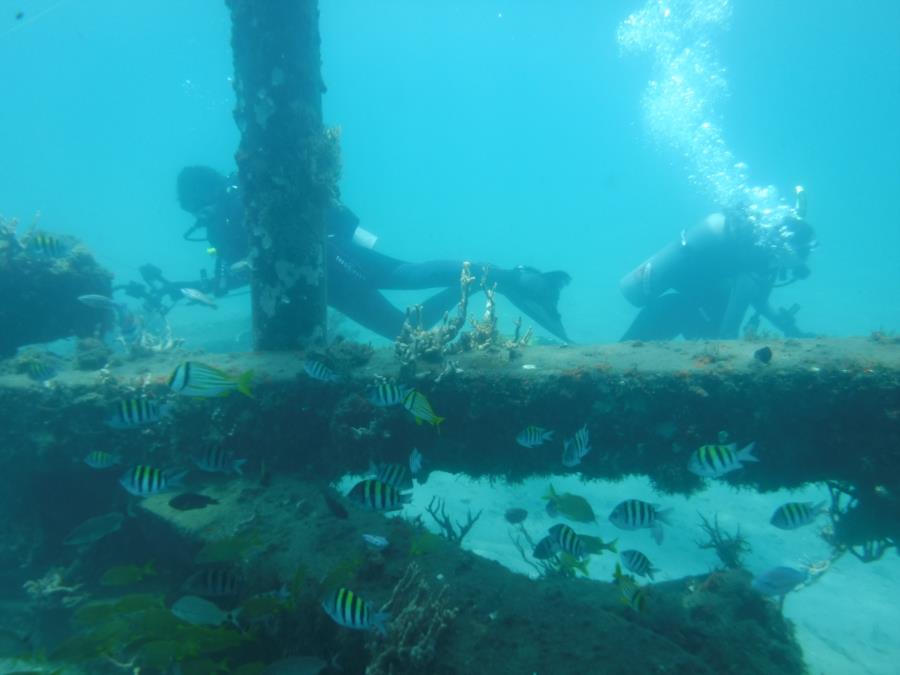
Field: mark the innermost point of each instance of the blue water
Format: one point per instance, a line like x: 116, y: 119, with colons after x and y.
x: 507, y: 131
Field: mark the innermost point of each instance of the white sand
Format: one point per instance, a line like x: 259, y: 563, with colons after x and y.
x: 847, y: 621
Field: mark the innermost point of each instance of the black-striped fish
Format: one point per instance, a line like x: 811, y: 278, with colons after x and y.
x: 98, y: 459
x: 637, y: 563
x: 792, y: 515
x: 386, y: 394
x: 214, y: 582
x: 568, y: 541
x: 419, y: 407
x: 143, y: 480
x: 634, y: 514
x: 576, y: 448
x: 347, y: 609
x: 133, y: 413
x: 378, y: 496
x: 41, y: 371
x: 217, y: 460
x: 713, y: 461
x: 45, y: 244
x: 395, y: 475
x: 192, y: 378
x: 633, y: 595
x: 319, y: 371
x: 532, y: 437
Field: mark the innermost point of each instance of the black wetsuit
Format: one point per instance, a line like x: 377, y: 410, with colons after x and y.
x: 356, y: 274
x: 701, y: 286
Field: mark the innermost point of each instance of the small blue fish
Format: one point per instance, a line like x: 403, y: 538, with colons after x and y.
x: 319, y: 371
x: 779, y: 581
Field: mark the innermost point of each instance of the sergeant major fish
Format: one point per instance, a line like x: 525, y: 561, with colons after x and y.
x: 143, y: 480
x: 532, y: 437
x: 319, y: 371
x: 714, y: 461
x: 214, y: 582
x: 568, y: 541
x: 378, y: 496
x: 98, y: 459
x: 133, y: 413
x: 216, y: 460
x: 347, y: 609
x: 395, y: 475
x: 386, y: 394
x: 576, y: 448
x: 637, y: 563
x: 192, y: 378
x: 792, y: 515
x: 634, y: 514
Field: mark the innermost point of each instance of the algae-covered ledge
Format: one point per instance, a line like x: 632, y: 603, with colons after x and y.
x: 647, y: 406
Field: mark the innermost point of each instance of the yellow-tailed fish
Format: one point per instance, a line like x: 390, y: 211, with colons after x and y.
x: 192, y: 378
x: 419, y: 407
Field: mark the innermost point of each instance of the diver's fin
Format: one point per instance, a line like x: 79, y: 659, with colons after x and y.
x: 537, y: 294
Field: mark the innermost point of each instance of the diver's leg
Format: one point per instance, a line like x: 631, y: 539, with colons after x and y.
x: 534, y: 293
x: 365, y: 305
x: 667, y: 317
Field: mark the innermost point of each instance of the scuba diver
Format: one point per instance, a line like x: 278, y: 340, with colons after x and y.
x: 702, y: 285
x: 356, y: 273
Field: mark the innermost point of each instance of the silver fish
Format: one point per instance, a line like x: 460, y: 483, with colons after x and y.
x: 375, y: 541
x: 99, y: 302
x: 199, y: 297
x: 415, y: 461
x: 200, y: 612
x: 94, y: 529
x: 779, y: 581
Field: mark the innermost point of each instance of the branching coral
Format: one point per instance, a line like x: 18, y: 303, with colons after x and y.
x: 417, y: 342
x: 419, y: 618
x: 729, y: 547
x: 453, y: 533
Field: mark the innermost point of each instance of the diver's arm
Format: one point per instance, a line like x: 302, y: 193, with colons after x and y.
x: 783, y: 319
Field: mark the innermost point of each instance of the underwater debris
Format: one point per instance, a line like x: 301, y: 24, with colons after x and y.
x: 420, y: 617
x: 416, y: 342
x: 515, y: 515
x: 867, y: 524
x: 729, y: 547
x: 50, y: 585
x: 458, y: 532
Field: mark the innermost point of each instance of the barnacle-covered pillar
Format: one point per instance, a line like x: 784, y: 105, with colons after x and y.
x: 288, y: 166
